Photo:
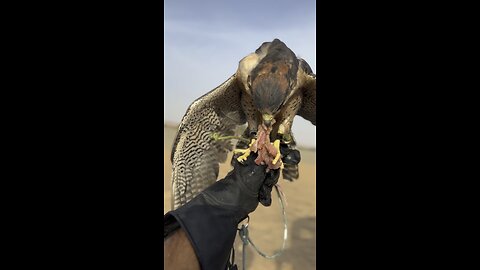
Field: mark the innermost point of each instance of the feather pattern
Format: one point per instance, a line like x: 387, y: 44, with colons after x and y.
x: 195, y: 155
x: 308, y: 110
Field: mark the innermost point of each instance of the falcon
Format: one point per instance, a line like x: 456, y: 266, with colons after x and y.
x: 270, y: 87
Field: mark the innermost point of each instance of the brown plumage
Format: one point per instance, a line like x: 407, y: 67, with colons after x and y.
x: 270, y: 87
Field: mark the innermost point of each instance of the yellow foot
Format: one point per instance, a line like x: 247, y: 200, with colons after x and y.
x: 276, y: 144
x: 246, y: 152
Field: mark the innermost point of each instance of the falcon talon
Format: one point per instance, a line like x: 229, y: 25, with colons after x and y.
x: 246, y: 152
x: 244, y: 156
x: 276, y: 144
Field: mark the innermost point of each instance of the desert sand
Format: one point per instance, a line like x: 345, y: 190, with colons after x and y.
x: 266, y: 224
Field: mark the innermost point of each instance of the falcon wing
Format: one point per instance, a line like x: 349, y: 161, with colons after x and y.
x: 195, y: 155
x: 309, y: 90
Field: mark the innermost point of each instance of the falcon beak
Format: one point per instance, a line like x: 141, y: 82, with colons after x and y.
x: 268, y: 119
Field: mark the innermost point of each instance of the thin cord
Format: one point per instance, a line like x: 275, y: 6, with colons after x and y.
x: 243, y: 232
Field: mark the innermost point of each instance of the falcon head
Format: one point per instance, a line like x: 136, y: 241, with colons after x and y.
x: 272, y: 78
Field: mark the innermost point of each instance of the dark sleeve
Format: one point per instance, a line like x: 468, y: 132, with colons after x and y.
x: 211, y: 230
x: 170, y: 225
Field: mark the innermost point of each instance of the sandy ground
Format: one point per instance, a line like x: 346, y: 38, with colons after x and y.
x: 266, y: 225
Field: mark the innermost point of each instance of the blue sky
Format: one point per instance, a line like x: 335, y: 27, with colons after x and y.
x: 205, y: 40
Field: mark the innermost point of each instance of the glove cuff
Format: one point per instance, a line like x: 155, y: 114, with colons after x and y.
x: 210, y: 229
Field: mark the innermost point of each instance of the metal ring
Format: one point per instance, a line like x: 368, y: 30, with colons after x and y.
x: 246, y: 225
x: 285, y: 232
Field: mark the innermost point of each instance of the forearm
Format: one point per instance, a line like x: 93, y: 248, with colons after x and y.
x: 178, y: 252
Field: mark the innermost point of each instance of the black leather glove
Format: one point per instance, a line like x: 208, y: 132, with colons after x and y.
x: 239, y: 190
x: 211, y: 218
x: 289, y: 157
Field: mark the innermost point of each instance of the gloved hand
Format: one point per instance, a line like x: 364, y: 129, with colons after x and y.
x: 239, y: 190
x: 211, y: 218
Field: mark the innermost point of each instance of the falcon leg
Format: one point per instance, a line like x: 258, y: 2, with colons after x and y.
x: 284, y: 133
x: 290, y: 110
x: 276, y: 144
x: 252, y: 125
x: 246, y: 152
